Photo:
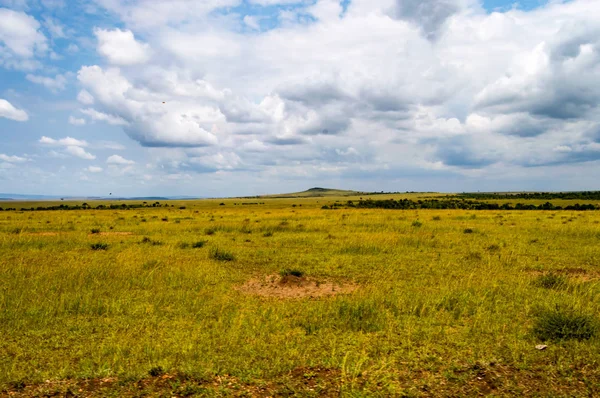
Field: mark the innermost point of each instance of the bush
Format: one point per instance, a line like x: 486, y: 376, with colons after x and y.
x: 95, y: 230
x: 436, y: 218
x: 99, y: 246
x: 417, y: 223
x: 564, y: 324
x: 551, y: 281
x: 468, y: 231
x: 221, y: 255
x: 268, y: 234
x: 291, y: 272
x: 210, y: 231
x: 199, y: 244
x: 156, y: 371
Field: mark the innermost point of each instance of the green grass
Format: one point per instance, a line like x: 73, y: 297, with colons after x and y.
x: 438, y: 312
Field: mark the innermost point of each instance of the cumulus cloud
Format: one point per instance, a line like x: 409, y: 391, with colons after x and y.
x: 7, y: 110
x: 120, y: 47
x: 79, y: 152
x: 94, y: 169
x: 119, y: 160
x: 381, y: 87
x: 20, y: 40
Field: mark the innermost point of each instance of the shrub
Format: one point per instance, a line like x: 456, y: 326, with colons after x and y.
x: 291, y: 272
x: 210, y: 231
x: 564, y: 324
x: 493, y: 248
x: 551, y: 281
x: 99, y: 246
x: 221, y: 255
x: 268, y: 234
x: 156, y: 371
x: 417, y: 223
x: 468, y: 231
x: 199, y: 244
x: 150, y: 241
x: 436, y: 218
x: 95, y: 230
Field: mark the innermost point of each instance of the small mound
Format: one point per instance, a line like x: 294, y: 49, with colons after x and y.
x: 292, y: 287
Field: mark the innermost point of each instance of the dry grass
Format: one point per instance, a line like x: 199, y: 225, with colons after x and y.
x: 428, y: 310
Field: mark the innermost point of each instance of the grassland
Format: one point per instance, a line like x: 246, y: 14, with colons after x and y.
x: 160, y: 301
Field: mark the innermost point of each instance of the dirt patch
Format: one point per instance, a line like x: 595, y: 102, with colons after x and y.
x: 305, y: 382
x: 112, y: 234
x: 292, y: 287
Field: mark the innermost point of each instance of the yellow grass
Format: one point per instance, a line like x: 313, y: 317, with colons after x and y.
x: 437, y: 311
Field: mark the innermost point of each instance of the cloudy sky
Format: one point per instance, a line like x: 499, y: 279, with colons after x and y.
x: 244, y: 97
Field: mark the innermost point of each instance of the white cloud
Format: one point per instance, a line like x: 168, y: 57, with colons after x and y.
x: 120, y: 47
x: 94, y: 169
x: 252, y: 22
x: 72, y: 48
x: 100, y: 116
x: 118, y: 160
x: 79, y: 152
x: 76, y: 121
x: 388, y: 87
x: 67, y: 141
x: 12, y: 159
x: 58, y: 83
x: 8, y: 111
x: 85, y: 97
x: 149, y: 14
x: 54, y: 27
x: 20, y: 40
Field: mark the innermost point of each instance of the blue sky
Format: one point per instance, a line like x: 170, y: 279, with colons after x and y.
x: 232, y: 97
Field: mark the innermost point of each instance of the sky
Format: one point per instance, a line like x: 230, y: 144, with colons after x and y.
x: 248, y: 97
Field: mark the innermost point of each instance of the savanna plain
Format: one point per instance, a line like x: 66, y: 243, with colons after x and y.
x: 280, y: 297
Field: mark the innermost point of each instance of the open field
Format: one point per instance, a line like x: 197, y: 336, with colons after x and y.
x: 278, y: 297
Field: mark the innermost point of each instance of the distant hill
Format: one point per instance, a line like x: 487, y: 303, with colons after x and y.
x: 314, y: 193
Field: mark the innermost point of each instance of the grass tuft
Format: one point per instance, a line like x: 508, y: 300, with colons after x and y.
x: 564, y: 324
x: 99, y: 246
x: 221, y: 255
x: 551, y: 281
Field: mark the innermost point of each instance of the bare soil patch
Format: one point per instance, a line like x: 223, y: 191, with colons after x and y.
x: 292, y: 287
